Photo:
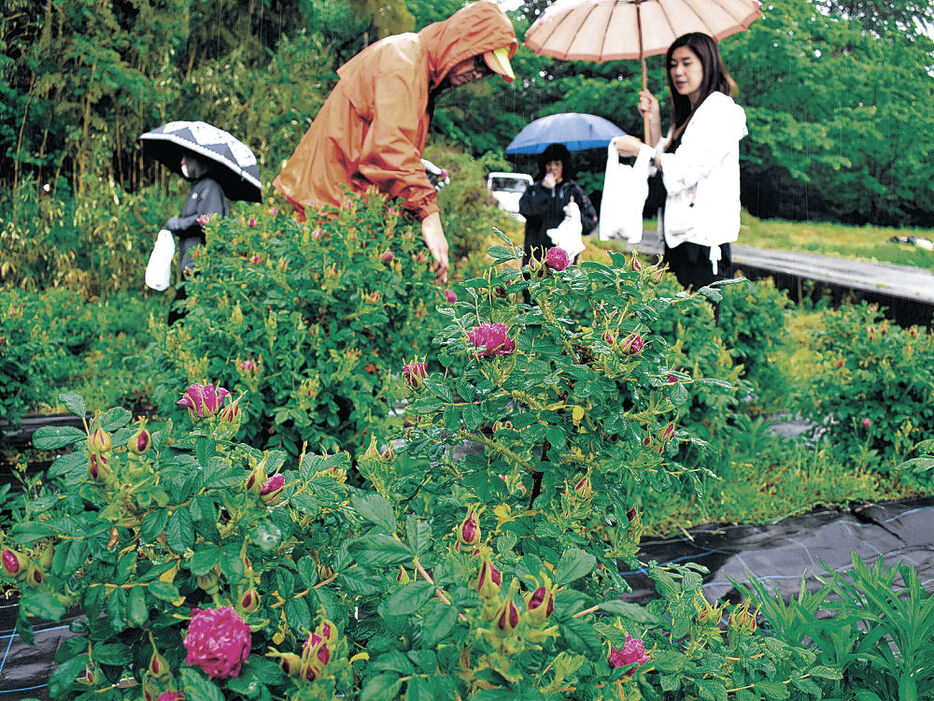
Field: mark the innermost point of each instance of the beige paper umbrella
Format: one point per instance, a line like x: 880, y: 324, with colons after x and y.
x: 613, y: 30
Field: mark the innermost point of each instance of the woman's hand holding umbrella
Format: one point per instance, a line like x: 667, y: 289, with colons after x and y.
x: 648, y: 106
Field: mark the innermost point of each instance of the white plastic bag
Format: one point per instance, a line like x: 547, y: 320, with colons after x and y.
x: 567, y: 234
x: 159, y: 269
x: 624, y: 191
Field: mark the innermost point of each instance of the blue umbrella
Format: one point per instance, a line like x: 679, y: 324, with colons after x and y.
x: 575, y: 130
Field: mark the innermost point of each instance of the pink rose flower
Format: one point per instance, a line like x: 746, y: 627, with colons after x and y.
x: 557, y: 258
x: 413, y: 373
x: 450, y: 296
x: 491, y: 339
x: 217, y: 641
x: 203, y: 400
x: 867, y: 422
x: 633, y: 652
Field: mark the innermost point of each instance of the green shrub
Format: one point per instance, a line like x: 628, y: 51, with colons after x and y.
x: 309, y: 318
x: 873, y: 386
x: 410, y: 587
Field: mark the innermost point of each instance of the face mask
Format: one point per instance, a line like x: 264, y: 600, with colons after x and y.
x: 184, y: 169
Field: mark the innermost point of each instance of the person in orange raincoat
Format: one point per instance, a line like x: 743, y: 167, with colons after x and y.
x: 373, y: 127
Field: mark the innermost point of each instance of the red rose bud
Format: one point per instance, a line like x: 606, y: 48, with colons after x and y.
x: 209, y: 582
x: 489, y: 580
x: 272, y: 489
x: 256, y: 260
x: 97, y: 467
x: 139, y: 442
x: 672, y: 379
x: 290, y: 663
x: 634, y: 264
x: 327, y: 631
x: 507, y: 617
x: 99, y: 440
x: 867, y: 422
x: 254, y: 483
x: 249, y: 601
x: 158, y: 667
x: 35, y: 576
x: 311, y: 646
x: 386, y: 257
x: 325, y: 572
x: 583, y: 488
x: 13, y: 562
x: 450, y: 296
x: 323, y: 655
x: 667, y: 433
x: 632, y: 514
x: 742, y: 620
x: 403, y: 576
x: 609, y: 338
x: 634, y: 344
x: 413, y: 373
x: 540, y: 604
x: 251, y: 222
x: 247, y: 366
x: 468, y: 533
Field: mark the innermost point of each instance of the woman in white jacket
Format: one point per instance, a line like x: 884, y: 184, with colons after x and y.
x: 698, y: 160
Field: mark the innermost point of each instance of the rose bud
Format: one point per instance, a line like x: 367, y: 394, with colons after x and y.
x: 325, y: 572
x: 13, y: 562
x: 34, y: 576
x: 634, y: 344
x: 634, y: 264
x: 249, y: 601
x: 327, y: 631
x: 743, y: 621
x: 139, y: 442
x: 667, y: 433
x: 540, y: 604
x: 209, y: 582
x: 172, y: 696
x: 254, y: 483
x: 867, y: 422
x: 99, y: 440
x: 247, y: 366
x: 413, y: 373
x: 403, y: 576
x: 583, y: 488
x: 290, y: 663
x: 489, y: 580
x: 272, y: 490
x: 609, y: 338
x: 236, y: 316
x: 450, y: 296
x: 468, y: 533
x: 97, y: 467
x: 507, y: 617
x: 386, y: 257
x: 310, y: 646
x: 158, y: 666
x: 251, y: 222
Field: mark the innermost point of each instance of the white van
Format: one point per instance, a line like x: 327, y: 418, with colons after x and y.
x: 507, y: 189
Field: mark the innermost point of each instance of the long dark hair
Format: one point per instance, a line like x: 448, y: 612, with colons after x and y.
x: 716, y: 79
x: 556, y: 152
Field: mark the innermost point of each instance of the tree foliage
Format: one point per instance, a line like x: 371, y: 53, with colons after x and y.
x: 836, y: 93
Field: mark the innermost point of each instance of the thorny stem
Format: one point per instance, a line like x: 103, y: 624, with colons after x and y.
x: 441, y: 594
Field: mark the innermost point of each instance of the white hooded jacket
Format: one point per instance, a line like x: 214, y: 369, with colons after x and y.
x: 702, y: 177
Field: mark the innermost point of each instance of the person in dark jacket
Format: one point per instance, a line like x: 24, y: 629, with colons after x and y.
x: 544, y: 201
x: 205, y: 198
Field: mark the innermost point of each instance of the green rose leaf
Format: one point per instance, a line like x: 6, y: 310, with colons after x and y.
x: 118, y: 417
x: 574, y: 564
x: 379, y: 551
x: 438, y: 623
x: 179, y: 531
x: 375, y: 509
x: 137, y: 612
x: 382, y: 687
x: 115, y: 654
x: 582, y: 637
x: 298, y: 614
x: 203, y: 561
x: 55, y: 437
x: 198, y: 687
x: 408, y: 599
x: 74, y: 403
x: 164, y: 590
x: 67, y: 463
x: 679, y: 394
x: 43, y: 605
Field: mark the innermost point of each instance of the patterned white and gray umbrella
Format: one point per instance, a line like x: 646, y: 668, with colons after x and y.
x: 237, y: 171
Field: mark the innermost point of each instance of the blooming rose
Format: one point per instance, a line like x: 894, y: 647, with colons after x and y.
x: 217, y: 641
x: 203, y: 400
x: 492, y: 339
x: 450, y: 296
x: 557, y: 258
x: 633, y: 652
x: 413, y: 373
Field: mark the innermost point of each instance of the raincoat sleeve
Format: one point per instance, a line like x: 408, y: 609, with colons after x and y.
x: 588, y: 212
x: 713, y: 134
x: 206, y: 197
x: 390, y: 156
x: 534, y: 201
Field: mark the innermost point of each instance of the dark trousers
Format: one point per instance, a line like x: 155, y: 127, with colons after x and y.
x: 691, y: 264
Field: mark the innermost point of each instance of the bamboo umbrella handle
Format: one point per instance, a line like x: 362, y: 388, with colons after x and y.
x: 646, y: 123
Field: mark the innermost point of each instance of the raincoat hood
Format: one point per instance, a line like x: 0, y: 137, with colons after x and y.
x: 473, y: 30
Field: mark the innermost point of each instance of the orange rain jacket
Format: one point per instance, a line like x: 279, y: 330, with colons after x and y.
x: 373, y: 127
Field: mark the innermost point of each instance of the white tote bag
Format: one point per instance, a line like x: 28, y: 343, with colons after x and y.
x: 159, y: 269
x: 624, y: 191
